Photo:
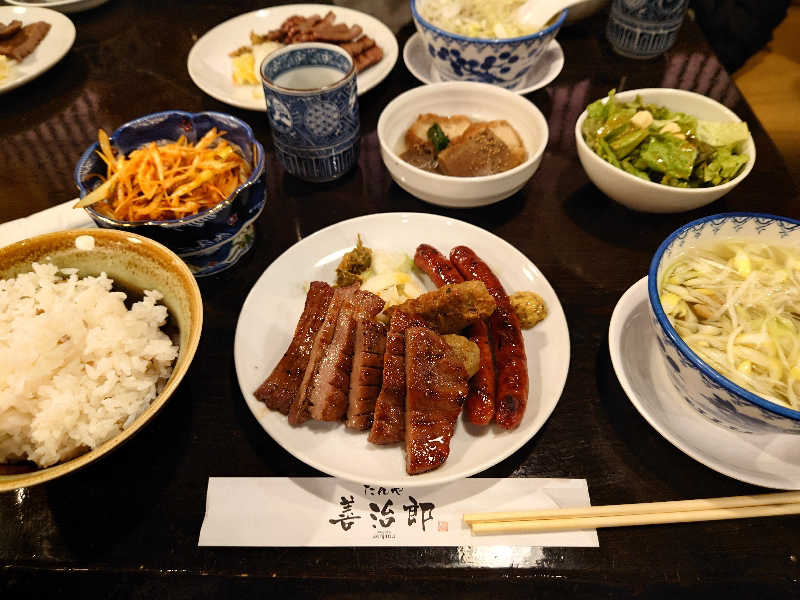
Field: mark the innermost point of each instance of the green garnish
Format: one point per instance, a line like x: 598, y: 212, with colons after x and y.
x: 438, y: 138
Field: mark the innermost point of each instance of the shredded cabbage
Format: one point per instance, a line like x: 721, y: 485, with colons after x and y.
x: 391, y: 276
x: 737, y: 306
x: 475, y: 18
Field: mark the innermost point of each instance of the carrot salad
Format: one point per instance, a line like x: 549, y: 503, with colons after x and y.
x: 167, y: 181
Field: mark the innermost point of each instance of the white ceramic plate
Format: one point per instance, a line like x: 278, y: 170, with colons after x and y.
x: 269, y: 316
x: 767, y: 460
x: 210, y: 66
x: 64, y: 6
x: 52, y: 48
x: 421, y: 66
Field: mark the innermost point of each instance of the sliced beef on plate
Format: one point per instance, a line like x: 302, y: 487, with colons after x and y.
x: 436, y: 386
x: 281, y: 387
x: 366, y: 376
x: 6, y: 31
x: 22, y: 43
x: 329, y: 396
x: 389, y: 422
x: 298, y: 410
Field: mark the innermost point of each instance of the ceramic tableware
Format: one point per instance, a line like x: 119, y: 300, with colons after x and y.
x: 501, y: 62
x: 210, y: 241
x: 712, y: 395
x: 312, y: 106
x: 269, y: 315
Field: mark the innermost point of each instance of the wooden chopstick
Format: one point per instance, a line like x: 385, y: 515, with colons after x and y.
x: 621, y: 515
x: 578, y: 523
x: 635, y: 509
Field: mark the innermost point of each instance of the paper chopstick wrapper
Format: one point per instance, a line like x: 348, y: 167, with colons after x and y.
x: 325, y: 511
x: 58, y: 218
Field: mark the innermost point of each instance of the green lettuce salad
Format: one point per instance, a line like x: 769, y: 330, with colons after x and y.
x: 659, y: 145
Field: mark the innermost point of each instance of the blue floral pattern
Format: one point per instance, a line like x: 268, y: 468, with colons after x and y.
x: 714, y: 397
x: 499, y: 62
x: 316, y: 133
x: 197, y: 237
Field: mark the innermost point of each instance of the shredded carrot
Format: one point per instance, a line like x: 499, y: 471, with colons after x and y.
x: 167, y: 181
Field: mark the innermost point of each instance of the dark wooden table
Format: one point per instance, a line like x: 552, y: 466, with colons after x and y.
x: 128, y: 524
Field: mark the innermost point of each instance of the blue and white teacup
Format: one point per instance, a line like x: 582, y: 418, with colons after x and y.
x: 644, y: 28
x: 312, y: 105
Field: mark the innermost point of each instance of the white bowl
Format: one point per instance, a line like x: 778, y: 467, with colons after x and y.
x: 647, y: 196
x: 480, y: 101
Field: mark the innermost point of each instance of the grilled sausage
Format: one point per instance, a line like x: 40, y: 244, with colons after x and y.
x: 511, y: 394
x: 480, y: 405
x: 436, y: 266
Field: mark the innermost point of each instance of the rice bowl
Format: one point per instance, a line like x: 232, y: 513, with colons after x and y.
x: 135, y: 264
x: 67, y: 384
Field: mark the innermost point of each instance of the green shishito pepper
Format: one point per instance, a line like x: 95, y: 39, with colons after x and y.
x: 438, y: 138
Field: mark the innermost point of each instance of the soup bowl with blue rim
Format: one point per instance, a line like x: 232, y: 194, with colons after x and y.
x: 210, y: 241
x: 504, y: 62
x: 712, y: 395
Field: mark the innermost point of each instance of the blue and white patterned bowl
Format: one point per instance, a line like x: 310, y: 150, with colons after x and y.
x: 502, y: 62
x: 712, y: 395
x: 208, y: 242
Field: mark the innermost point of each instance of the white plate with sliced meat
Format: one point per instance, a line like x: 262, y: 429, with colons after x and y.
x: 271, y: 311
x: 211, y: 67
x: 56, y: 42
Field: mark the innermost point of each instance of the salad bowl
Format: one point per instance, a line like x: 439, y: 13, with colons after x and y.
x: 647, y: 196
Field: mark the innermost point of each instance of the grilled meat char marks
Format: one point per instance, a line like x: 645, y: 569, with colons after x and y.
x: 366, y: 376
x: 280, y: 389
x: 329, y: 397
x: 299, y: 408
x: 389, y: 421
x: 436, y: 386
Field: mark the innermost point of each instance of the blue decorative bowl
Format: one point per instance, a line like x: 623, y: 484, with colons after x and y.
x: 502, y: 62
x: 712, y: 395
x: 209, y: 241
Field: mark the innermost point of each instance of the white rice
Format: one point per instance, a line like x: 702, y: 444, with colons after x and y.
x: 76, y: 366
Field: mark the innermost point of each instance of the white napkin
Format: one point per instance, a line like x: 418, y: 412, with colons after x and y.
x: 57, y: 218
x: 325, y: 511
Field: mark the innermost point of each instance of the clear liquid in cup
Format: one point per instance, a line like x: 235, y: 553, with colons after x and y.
x: 309, y: 78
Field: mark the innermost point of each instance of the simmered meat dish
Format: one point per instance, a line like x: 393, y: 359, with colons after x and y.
x: 458, y: 147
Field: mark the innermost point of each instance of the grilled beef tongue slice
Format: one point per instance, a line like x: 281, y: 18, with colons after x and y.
x: 280, y: 389
x: 7, y: 31
x: 298, y: 410
x: 328, y: 399
x: 365, y: 378
x: 22, y: 43
x: 389, y: 422
x: 436, y: 386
